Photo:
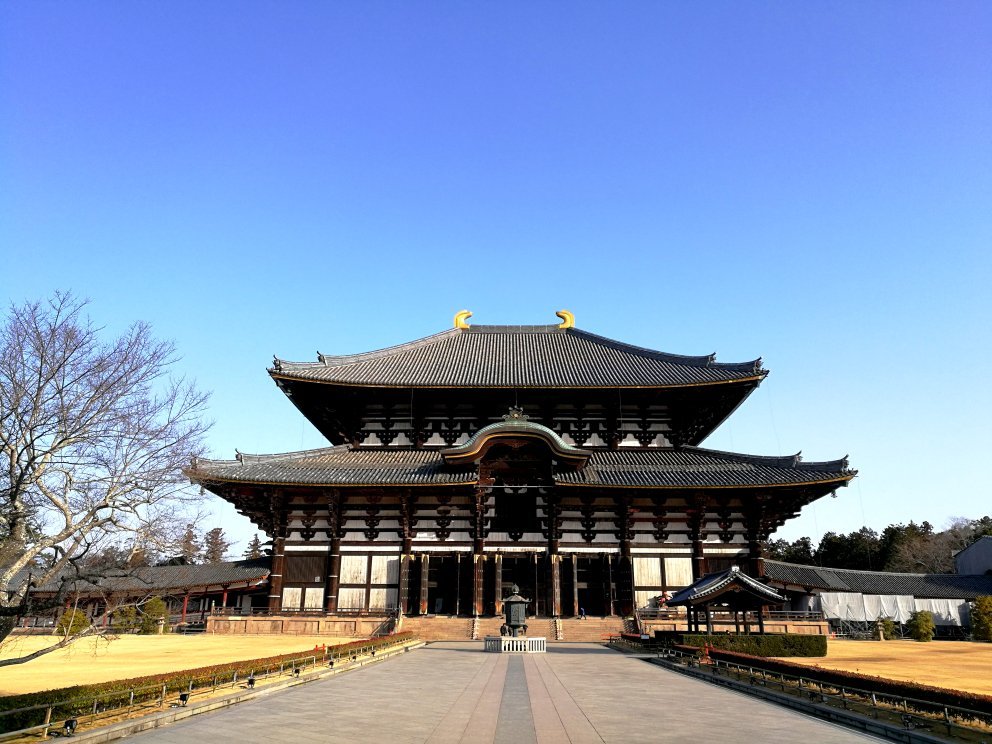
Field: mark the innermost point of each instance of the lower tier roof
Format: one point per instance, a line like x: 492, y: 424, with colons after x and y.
x: 683, y: 467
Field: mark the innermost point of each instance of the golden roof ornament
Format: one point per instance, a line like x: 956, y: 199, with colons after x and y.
x: 567, y: 319
x: 461, y: 318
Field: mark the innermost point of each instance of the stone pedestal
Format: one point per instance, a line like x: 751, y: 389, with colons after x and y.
x: 520, y: 645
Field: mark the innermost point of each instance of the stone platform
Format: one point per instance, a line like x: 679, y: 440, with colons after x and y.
x: 450, y: 693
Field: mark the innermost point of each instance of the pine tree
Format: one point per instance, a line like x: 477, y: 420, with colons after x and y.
x: 189, y: 546
x: 214, y: 546
x: 254, y: 549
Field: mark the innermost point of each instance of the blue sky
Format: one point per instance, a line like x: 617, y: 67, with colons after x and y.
x: 809, y: 183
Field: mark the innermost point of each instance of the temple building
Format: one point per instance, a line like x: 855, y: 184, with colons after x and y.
x: 480, y: 457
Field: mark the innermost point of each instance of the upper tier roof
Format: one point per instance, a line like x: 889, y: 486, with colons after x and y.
x: 517, y: 356
x: 686, y: 467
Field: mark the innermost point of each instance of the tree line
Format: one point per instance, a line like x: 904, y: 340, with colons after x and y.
x: 904, y: 548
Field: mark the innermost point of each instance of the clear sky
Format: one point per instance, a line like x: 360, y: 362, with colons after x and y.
x: 809, y: 183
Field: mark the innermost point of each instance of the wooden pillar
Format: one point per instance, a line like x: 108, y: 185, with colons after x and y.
x: 403, y: 593
x: 425, y: 561
x: 553, y: 511
x: 223, y: 599
x: 709, y: 620
x: 695, y: 518
x: 761, y: 620
x: 275, y: 578
x: 182, y: 616
x: 498, y: 578
x: 478, y: 547
x: 458, y: 585
x: 537, y: 583
x: 575, y: 585
x: 555, y: 589
x: 333, y: 575
x: 478, y: 576
x: 755, y: 533
x: 408, y: 521
x: 612, y: 590
x: 335, y: 532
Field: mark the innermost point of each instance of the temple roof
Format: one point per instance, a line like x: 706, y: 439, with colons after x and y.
x: 932, y: 586
x: 685, y: 467
x: 149, y: 579
x: 517, y: 356
x: 713, y: 585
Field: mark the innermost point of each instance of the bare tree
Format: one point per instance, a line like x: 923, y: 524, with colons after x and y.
x: 923, y: 554
x: 93, y: 436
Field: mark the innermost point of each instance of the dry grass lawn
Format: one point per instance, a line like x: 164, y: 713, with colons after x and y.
x: 958, y: 665
x: 100, y: 660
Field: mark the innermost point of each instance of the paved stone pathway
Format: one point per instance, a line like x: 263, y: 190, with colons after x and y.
x: 451, y: 693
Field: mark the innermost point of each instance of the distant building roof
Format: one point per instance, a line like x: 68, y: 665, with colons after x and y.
x: 685, y: 467
x: 931, y: 586
x: 517, y: 356
x: 156, y: 579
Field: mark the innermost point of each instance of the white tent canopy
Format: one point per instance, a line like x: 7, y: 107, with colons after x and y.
x: 857, y: 607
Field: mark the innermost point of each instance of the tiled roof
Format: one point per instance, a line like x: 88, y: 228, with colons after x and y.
x: 517, y: 356
x: 714, y: 584
x: 687, y: 467
x: 152, y: 579
x: 930, y: 586
x: 337, y: 466
x: 698, y: 467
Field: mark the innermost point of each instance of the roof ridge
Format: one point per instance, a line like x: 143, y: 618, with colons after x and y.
x: 492, y: 328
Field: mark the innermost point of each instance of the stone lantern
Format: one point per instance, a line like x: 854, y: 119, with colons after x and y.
x: 515, y: 607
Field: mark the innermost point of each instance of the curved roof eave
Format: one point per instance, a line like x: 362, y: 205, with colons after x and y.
x: 515, y: 427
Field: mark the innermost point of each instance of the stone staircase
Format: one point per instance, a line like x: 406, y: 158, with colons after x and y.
x: 439, y: 627
x: 592, y: 629
x: 449, y: 628
x: 489, y: 626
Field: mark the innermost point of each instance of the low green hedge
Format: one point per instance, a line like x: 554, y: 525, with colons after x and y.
x: 78, y: 700
x: 768, y: 644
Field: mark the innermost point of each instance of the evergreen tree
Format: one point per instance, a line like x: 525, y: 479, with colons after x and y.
x: 859, y: 550
x: 254, y: 549
x: 189, y: 546
x: 981, y: 619
x: 214, y: 546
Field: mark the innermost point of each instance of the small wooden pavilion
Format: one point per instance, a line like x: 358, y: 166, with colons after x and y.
x: 727, y: 591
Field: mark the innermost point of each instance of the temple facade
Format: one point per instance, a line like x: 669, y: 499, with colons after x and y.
x: 480, y: 457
